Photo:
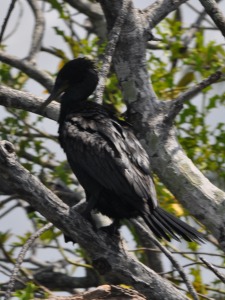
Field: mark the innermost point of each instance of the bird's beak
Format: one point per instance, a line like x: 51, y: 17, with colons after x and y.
x: 56, y: 92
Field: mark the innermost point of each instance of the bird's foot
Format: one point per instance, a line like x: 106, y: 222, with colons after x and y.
x: 112, y: 229
x: 81, y: 208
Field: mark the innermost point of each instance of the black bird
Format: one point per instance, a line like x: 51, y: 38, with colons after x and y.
x: 106, y: 156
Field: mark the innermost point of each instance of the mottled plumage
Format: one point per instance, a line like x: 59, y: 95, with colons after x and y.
x: 107, y: 158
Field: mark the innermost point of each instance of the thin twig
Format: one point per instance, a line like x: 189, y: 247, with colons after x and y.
x: 20, y: 258
x: 8, y: 199
x: 198, y: 12
x: 170, y: 257
x: 109, y: 51
x: 16, y: 22
x: 191, y: 32
x: 10, y: 209
x: 11, y: 7
x: 213, y: 269
x: 178, y: 252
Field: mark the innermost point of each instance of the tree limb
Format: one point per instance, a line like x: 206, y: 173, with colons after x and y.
x: 11, y: 7
x: 29, y: 69
x: 38, y: 32
x: 18, y: 99
x: 215, y: 13
x: 177, y: 104
x: 157, y: 11
x: 20, y: 259
x: 108, y: 254
x: 107, y: 292
x: 202, y: 199
x: 214, y: 270
x: 170, y: 256
x: 110, y: 48
x: 94, y: 12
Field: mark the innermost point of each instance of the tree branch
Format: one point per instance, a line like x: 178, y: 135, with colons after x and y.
x: 20, y: 258
x: 26, y: 101
x: 215, y: 13
x: 29, y: 69
x: 170, y: 257
x: 11, y: 7
x: 176, y: 105
x: 109, y: 51
x: 157, y: 11
x: 189, y: 34
x: 214, y: 270
x: 107, y: 292
x: 38, y: 32
x: 108, y: 254
x: 94, y: 12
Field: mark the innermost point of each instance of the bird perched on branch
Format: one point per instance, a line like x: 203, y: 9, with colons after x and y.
x: 106, y: 156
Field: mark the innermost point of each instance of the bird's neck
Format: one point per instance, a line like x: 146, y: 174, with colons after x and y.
x: 77, y: 94
x: 71, y: 100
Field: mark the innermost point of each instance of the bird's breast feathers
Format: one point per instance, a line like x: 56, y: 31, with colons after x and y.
x: 102, y: 144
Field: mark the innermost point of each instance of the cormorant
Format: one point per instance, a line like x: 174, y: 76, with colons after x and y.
x: 106, y: 157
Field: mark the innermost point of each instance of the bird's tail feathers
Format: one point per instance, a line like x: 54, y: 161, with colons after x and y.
x: 165, y: 225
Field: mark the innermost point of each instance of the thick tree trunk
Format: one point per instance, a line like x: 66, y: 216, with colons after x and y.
x: 149, y: 117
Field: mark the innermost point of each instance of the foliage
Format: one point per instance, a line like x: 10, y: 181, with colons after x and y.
x: 173, y: 69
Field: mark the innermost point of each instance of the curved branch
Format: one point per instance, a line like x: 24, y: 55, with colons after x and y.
x: 108, y: 254
x: 156, y: 12
x: 215, y: 13
x: 11, y: 7
x: 38, y: 32
x: 20, y: 258
x: 176, y: 105
x: 29, y: 69
x: 94, y: 12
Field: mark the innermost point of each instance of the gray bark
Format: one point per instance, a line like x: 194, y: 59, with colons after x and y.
x: 215, y: 13
x: 108, y: 254
x: 148, y: 115
x: 201, y: 198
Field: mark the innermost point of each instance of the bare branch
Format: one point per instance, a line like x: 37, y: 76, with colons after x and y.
x: 109, y: 51
x: 214, y: 270
x: 95, y: 14
x: 170, y: 257
x: 215, y: 13
x: 20, y: 258
x: 38, y: 32
x: 157, y: 11
x: 108, y: 254
x: 29, y: 69
x: 11, y: 7
x: 16, y: 23
x: 92, y: 10
x: 26, y: 101
x: 190, y: 33
x: 107, y: 292
x: 176, y: 105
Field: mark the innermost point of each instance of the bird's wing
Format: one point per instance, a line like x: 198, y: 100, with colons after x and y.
x: 110, y: 154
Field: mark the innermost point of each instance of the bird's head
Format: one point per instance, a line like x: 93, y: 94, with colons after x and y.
x: 80, y: 74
